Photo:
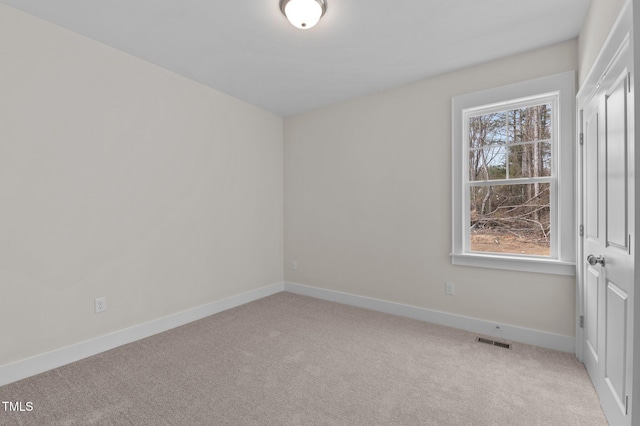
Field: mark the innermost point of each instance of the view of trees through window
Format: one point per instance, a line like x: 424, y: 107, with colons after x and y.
x: 510, y: 155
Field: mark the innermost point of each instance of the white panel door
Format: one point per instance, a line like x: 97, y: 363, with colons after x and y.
x: 607, y: 274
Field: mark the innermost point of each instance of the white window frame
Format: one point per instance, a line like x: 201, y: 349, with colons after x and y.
x: 562, y: 258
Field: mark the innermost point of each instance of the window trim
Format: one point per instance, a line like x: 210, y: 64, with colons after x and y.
x: 562, y: 259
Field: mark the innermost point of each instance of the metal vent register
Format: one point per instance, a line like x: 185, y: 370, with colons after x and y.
x: 493, y: 342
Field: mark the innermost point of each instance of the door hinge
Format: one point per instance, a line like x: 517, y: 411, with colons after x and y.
x: 629, y: 82
x: 581, y: 321
x: 582, y: 230
x: 626, y: 405
x: 581, y: 138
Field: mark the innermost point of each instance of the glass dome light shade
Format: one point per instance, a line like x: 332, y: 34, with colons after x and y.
x: 303, y: 14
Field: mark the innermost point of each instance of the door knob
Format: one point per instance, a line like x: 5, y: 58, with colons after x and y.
x: 594, y: 260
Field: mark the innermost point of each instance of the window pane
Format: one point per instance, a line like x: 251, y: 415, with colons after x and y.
x: 530, y: 160
x: 489, y: 163
x: 512, y: 219
x: 530, y: 124
x: 487, y: 129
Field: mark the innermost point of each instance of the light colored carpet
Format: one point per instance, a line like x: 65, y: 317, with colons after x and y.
x: 294, y: 360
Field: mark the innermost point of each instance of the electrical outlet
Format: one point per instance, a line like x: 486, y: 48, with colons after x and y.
x: 449, y: 289
x: 101, y: 304
x: 294, y: 265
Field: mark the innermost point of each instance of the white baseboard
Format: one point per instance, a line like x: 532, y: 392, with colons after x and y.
x: 488, y: 328
x: 28, y: 367
x: 22, y: 369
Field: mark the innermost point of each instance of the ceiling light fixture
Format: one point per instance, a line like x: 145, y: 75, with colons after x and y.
x: 303, y: 14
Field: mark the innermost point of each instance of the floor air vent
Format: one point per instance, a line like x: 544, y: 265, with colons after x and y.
x: 493, y: 342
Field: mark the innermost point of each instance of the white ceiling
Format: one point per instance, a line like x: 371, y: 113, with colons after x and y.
x: 248, y: 49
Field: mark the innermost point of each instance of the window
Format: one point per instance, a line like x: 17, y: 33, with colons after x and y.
x: 513, y: 177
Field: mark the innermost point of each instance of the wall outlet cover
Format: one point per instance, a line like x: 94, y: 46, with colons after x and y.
x: 101, y: 304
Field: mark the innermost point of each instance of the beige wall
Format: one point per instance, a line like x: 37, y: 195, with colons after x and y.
x: 368, y: 201
x: 600, y: 19
x: 121, y: 179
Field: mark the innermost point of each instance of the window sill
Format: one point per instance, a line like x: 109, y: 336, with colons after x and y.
x: 512, y: 263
